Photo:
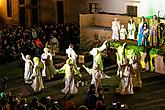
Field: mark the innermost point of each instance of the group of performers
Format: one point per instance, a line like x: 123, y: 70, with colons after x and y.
x: 35, y: 70
x: 129, y: 72
x: 147, y: 31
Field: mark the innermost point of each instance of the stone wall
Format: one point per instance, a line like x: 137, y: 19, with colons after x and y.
x: 72, y: 9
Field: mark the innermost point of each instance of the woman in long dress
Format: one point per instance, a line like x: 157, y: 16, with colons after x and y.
x: 28, y: 68
x: 140, y: 31
x: 70, y: 72
x: 37, y: 84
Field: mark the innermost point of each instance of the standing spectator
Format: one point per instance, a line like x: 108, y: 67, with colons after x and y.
x: 90, y: 97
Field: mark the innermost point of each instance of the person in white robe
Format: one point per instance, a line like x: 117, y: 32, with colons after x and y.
x: 126, y: 84
x: 131, y: 29
x: 97, y: 69
x: 49, y: 68
x: 120, y: 58
x: 97, y: 76
x: 97, y: 56
x: 37, y: 84
x: 28, y: 68
x: 70, y: 72
x: 115, y: 29
x: 72, y: 54
x: 123, y: 32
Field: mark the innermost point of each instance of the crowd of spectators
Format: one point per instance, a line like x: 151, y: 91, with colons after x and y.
x: 93, y: 100
x: 32, y: 40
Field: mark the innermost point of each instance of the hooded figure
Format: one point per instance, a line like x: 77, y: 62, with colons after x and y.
x: 37, y: 84
x: 70, y: 71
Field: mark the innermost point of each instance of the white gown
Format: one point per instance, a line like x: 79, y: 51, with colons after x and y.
x: 131, y: 31
x: 123, y: 33
x: 69, y: 79
x: 115, y: 30
x: 37, y: 84
x: 28, y: 69
x: 72, y: 54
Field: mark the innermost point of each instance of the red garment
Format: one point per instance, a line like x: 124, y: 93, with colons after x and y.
x: 38, y: 43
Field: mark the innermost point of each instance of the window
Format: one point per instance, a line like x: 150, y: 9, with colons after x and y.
x: 9, y: 8
x: 132, y: 11
x: 93, y: 7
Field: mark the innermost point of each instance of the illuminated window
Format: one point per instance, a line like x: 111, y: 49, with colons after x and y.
x: 132, y: 11
x: 93, y: 7
x: 9, y: 8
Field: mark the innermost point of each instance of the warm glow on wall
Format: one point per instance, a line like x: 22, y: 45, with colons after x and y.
x: 0, y: 2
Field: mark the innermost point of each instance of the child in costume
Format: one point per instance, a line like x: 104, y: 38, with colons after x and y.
x: 37, y: 84
x: 123, y: 32
x: 28, y: 68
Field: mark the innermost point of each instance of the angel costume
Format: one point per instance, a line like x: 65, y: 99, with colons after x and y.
x: 70, y: 71
x: 37, y: 84
x: 28, y: 68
